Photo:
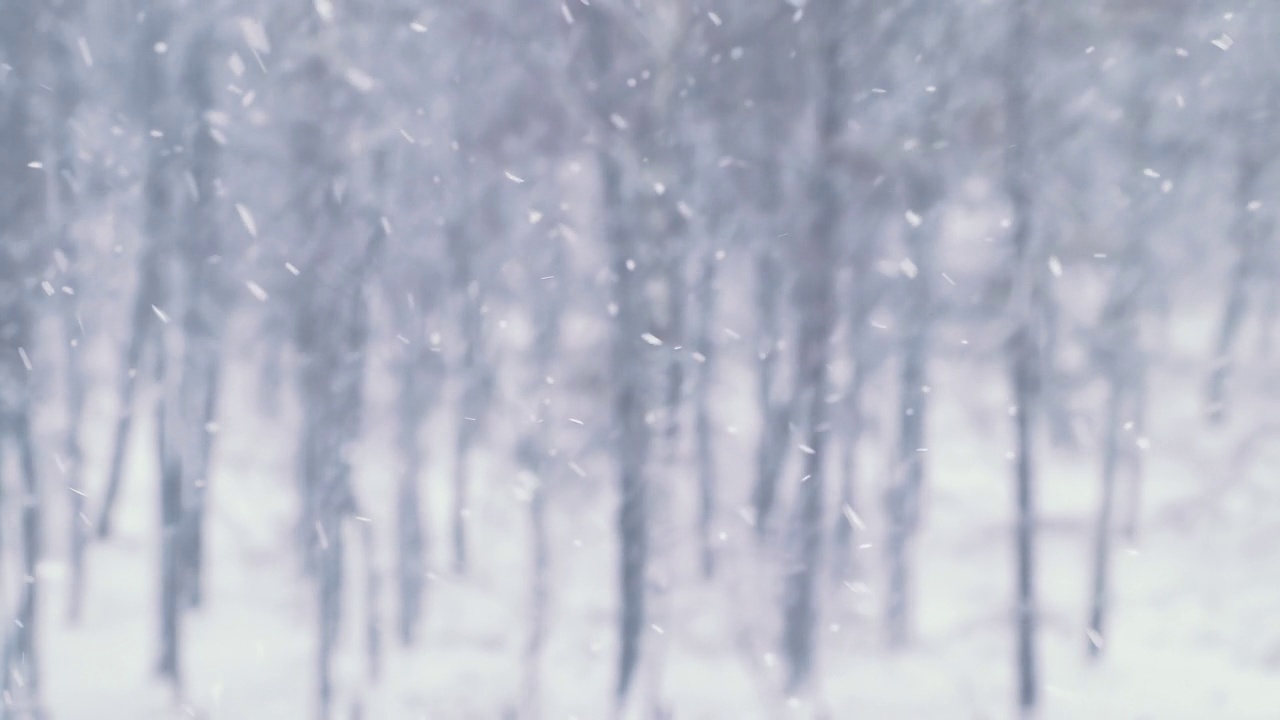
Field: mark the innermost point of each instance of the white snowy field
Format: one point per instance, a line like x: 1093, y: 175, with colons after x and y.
x: 1193, y: 634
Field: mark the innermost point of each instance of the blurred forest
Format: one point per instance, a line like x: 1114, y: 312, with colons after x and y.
x: 660, y: 359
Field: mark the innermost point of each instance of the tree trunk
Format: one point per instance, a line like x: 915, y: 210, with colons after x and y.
x: 1245, y: 233
x: 329, y: 566
x: 538, y: 585
x: 169, y: 427
x: 151, y: 91
x: 20, y: 659
x: 548, y: 286
x: 461, y: 475
x: 776, y: 415
x: 372, y: 601
x: 141, y: 337
x: 411, y: 549
x: 923, y: 182
x: 334, y: 395
x: 1102, y: 532
x: 21, y: 207
x: 904, y: 495
x: 847, y: 524
x: 863, y: 296
x: 67, y: 93
x: 629, y: 410
x: 331, y: 335
x: 1024, y: 345
x: 815, y: 307
x: 202, y: 321
x: 705, y: 356
x: 1025, y: 525
x: 844, y: 566
x: 421, y: 375
x: 476, y: 381
x: 77, y: 521
x: 1131, y: 456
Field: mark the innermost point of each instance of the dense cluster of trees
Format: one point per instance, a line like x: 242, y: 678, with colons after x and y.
x: 312, y: 178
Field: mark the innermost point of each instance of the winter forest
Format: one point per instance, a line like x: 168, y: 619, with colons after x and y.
x: 639, y: 359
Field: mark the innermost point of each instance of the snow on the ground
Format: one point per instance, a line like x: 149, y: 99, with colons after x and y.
x: 1193, y: 633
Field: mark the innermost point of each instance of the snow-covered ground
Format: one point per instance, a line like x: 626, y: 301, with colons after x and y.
x: 1193, y: 634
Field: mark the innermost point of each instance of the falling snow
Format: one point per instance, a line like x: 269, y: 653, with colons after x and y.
x: 606, y: 359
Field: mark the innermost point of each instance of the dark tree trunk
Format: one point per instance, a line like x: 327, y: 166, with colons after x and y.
x: 461, y: 475
x: 874, y: 196
x: 329, y: 567
x: 67, y: 95
x: 421, y: 375
x: 151, y: 92
x: 334, y: 394
x: 330, y: 334
x: 864, y: 360
x: 141, y: 337
x: 78, y: 521
x: 411, y: 550
x: 815, y: 307
x: 153, y: 331
x: 32, y: 547
x: 1131, y: 456
x: 21, y: 207
x: 629, y: 410
x: 668, y: 229
x: 21, y: 681
x: 539, y: 576
x: 776, y: 414
x: 923, y: 182
x: 1024, y: 345
x: 1098, y: 599
x: 372, y: 601
x: 843, y: 564
x: 476, y: 382
x: 549, y: 290
x: 1025, y: 526
x: 703, y: 438
x: 1246, y: 236
x: 169, y: 432
x: 202, y: 321
x: 903, y: 498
